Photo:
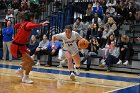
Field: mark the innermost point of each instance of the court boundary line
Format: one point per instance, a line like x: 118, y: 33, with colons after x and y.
x: 122, y: 88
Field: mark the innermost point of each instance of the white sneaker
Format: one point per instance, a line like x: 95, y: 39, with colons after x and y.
x: 126, y: 62
x: 119, y: 62
x: 20, y: 72
x: 60, y: 66
x: 26, y: 79
x: 72, y: 76
x: 37, y: 64
x: 77, y: 70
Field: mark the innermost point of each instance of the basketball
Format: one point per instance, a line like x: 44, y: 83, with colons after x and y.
x: 83, y: 43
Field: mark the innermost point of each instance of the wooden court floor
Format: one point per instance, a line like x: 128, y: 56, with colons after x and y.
x: 55, y: 83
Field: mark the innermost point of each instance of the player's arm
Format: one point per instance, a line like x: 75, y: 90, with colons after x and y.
x: 32, y: 25
x: 56, y: 37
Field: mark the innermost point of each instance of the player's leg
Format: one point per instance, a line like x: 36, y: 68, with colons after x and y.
x: 70, y: 64
x: 27, y: 65
x: 76, y: 59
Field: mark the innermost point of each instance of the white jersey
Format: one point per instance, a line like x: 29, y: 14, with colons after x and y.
x: 69, y: 44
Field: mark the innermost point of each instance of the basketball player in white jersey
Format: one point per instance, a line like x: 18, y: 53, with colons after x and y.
x: 70, y: 49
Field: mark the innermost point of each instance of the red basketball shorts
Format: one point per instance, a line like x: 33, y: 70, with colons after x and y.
x: 17, y: 51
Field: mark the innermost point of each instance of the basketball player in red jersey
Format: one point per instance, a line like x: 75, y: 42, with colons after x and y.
x: 18, y: 47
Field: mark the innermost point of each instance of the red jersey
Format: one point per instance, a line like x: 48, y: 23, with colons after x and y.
x: 24, y: 31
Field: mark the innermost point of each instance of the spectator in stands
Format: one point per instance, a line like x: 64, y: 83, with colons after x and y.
x: 97, y: 20
x: 126, y: 50
x: 95, y: 3
x: 32, y: 45
x: 98, y: 9
x: 105, y: 17
x: 92, y: 52
x: 120, y: 9
x: 111, y: 10
x: 103, y: 53
x: 23, y: 8
x: 88, y: 15
x: 104, y: 37
x: 52, y: 52
x: 99, y: 33
x: 79, y: 26
x: 111, y: 24
x: 111, y: 2
x: 41, y: 49
x: 89, y: 10
x: 92, y: 31
x: 15, y: 7
x: 131, y: 12
x: 9, y: 16
x: 113, y: 56
x: 7, y: 40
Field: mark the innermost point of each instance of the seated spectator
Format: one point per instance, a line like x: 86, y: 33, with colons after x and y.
x: 126, y: 50
x: 97, y: 20
x: 111, y: 24
x: 130, y: 12
x: 113, y: 56
x: 97, y: 9
x: 92, y: 51
x: 89, y: 10
x: 32, y: 45
x: 78, y: 26
x: 92, y: 31
x: 42, y: 48
x: 104, y: 37
x: 111, y: 11
x: 52, y: 52
x: 120, y: 9
x: 89, y: 13
x: 103, y: 53
x: 111, y: 2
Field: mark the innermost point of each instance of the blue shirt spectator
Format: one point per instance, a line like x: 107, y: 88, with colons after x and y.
x: 57, y: 45
x: 98, y: 9
x: 7, y: 34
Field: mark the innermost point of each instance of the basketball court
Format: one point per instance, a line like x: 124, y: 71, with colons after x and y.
x: 56, y: 80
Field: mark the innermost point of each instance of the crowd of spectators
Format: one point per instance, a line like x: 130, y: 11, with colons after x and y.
x: 104, y: 19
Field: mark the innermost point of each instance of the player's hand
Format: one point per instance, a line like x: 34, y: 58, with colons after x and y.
x: 45, y: 23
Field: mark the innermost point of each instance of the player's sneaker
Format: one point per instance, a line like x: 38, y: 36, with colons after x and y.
x: 72, y: 76
x: 26, y: 79
x: 77, y: 70
x: 20, y: 72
